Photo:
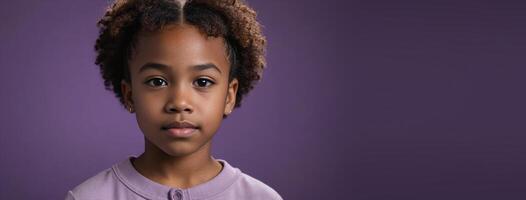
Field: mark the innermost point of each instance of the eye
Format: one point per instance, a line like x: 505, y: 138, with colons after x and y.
x: 203, y: 82
x: 155, y: 82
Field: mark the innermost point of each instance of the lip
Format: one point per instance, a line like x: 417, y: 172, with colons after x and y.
x: 179, y: 124
x: 181, y: 132
x: 180, y: 129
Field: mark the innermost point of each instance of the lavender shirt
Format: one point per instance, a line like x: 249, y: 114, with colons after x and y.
x: 122, y: 181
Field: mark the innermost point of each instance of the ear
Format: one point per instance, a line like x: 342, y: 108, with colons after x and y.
x: 231, y: 96
x: 126, y: 91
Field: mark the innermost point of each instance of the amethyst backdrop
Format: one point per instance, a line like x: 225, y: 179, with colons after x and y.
x: 361, y: 100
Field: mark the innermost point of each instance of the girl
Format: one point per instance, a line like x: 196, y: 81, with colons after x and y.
x: 181, y: 67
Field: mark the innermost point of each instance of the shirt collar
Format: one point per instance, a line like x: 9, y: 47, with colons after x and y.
x: 145, y: 187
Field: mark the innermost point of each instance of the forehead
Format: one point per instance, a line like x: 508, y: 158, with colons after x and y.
x: 179, y: 45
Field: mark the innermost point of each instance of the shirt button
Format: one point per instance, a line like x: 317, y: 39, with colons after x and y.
x: 177, y: 195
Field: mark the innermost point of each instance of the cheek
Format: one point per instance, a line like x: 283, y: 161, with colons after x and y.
x: 211, y: 116
x: 148, y: 110
x: 213, y: 102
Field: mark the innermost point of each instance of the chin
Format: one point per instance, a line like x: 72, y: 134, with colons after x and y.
x: 179, y: 149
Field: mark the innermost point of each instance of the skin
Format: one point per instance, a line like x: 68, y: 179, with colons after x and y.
x: 175, y: 93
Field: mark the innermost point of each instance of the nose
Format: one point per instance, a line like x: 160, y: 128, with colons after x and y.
x: 179, y: 100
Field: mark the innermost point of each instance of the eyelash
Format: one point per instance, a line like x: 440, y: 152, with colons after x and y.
x: 210, y: 82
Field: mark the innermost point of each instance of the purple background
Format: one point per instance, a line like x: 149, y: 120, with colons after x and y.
x: 360, y: 100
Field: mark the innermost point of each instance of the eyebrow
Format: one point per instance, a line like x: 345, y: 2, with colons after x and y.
x: 162, y: 67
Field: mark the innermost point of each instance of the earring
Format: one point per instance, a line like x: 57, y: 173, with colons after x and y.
x: 130, y: 108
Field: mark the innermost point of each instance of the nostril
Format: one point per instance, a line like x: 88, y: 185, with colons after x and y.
x: 183, y: 109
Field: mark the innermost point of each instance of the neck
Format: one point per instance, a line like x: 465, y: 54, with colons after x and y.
x: 177, y: 171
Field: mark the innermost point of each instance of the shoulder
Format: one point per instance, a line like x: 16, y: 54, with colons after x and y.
x: 244, y: 186
x: 95, y: 187
x: 255, y: 188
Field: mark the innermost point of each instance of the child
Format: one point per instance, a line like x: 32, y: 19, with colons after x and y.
x: 181, y: 67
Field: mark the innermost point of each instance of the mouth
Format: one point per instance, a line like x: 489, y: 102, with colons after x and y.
x: 180, y: 129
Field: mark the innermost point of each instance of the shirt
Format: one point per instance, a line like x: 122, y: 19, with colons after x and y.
x: 123, y: 181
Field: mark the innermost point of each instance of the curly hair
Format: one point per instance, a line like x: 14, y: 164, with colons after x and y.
x: 233, y: 20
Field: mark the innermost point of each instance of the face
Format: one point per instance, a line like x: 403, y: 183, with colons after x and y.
x: 179, y: 75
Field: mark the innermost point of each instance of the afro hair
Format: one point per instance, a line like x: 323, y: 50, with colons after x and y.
x: 233, y: 20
